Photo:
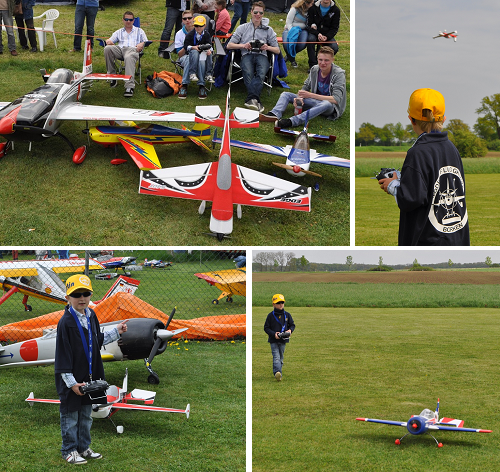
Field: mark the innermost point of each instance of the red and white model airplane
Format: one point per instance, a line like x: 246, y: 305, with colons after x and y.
x: 40, y: 113
x: 224, y: 183
x: 444, y: 34
x: 118, y: 399
x: 427, y: 421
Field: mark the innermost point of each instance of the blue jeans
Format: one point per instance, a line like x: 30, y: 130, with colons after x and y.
x: 75, y: 430
x: 278, y: 351
x: 8, y: 21
x: 254, y: 68
x: 315, y: 108
x: 313, y: 48
x: 173, y: 18
x: 240, y: 11
x: 300, y: 45
x: 197, y: 63
x: 83, y: 13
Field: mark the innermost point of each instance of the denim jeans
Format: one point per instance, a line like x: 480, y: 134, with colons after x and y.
x: 82, y: 14
x: 240, y: 11
x: 75, y: 430
x: 315, y: 108
x: 173, y: 19
x: 278, y: 351
x: 300, y: 45
x: 8, y: 21
x: 198, y: 63
x: 254, y: 68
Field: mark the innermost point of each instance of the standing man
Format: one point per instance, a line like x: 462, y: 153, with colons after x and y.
x: 125, y: 44
x: 254, y: 61
x: 6, y: 12
x: 279, y: 326
x: 86, y: 10
x: 173, y: 18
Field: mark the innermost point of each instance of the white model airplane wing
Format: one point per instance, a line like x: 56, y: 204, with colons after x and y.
x: 129, y: 406
x: 330, y: 160
x: 281, y: 151
x: 4, y: 104
x: 28, y: 268
x: 78, y: 111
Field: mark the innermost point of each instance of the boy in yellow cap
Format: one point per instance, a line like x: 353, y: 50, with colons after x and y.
x: 430, y: 189
x: 78, y: 360
x: 279, y: 326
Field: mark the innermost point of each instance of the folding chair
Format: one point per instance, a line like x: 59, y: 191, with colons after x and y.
x: 47, y: 27
x: 235, y: 74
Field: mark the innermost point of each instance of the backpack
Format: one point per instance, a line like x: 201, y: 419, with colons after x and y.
x: 163, y: 84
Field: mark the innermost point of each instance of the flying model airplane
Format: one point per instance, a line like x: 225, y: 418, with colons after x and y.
x: 144, y: 339
x: 444, y: 34
x: 427, y: 421
x: 229, y: 282
x: 39, y: 114
x: 224, y: 183
x: 118, y: 399
x: 298, y: 157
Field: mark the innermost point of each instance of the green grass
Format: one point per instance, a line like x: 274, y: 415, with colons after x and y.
x: 377, y: 215
x: 402, y: 148
x: 377, y: 363
x: 52, y: 201
x: 209, y: 376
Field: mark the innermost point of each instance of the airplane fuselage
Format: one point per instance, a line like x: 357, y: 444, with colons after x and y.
x: 300, y: 155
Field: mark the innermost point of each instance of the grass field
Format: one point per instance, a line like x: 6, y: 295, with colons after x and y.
x: 44, y: 187
x: 209, y: 376
x: 379, y: 363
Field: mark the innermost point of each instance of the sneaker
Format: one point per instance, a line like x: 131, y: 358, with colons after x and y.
x: 129, y: 92
x: 284, y: 123
x: 294, y: 64
x: 277, y: 376
x: 163, y: 54
x: 260, y: 108
x: 209, y: 78
x: 34, y: 49
x: 89, y: 453
x: 113, y: 83
x: 75, y: 458
x: 252, y: 103
x: 25, y: 47
x: 183, y: 92
x: 193, y: 77
x: 14, y: 52
x: 269, y: 116
x: 202, y: 93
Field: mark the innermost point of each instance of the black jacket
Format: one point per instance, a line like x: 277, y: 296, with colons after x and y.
x: 70, y: 358
x: 274, y: 323
x: 431, y: 197
x: 189, y: 40
x: 327, y: 25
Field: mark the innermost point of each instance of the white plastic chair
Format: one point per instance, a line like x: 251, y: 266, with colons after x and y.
x: 47, y: 27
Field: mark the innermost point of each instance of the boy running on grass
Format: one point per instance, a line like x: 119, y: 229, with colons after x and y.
x: 279, y: 326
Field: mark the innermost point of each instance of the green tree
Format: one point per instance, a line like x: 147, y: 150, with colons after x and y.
x: 468, y: 144
x: 380, y: 261
x: 450, y: 263
x: 490, y: 108
x: 348, y: 262
x: 366, y: 134
x: 400, y: 133
x: 485, y: 129
x: 303, y: 263
x: 488, y: 261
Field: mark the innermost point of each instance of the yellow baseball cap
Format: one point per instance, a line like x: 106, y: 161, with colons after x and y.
x: 278, y: 298
x: 200, y: 21
x: 77, y: 281
x: 426, y: 98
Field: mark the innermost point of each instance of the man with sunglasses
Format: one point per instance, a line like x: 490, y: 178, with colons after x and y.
x: 279, y: 326
x: 78, y: 360
x: 125, y: 45
x: 254, y: 61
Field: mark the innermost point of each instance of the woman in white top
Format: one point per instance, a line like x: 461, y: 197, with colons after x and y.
x: 295, y: 34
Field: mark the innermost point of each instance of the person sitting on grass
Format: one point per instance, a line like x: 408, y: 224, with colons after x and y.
x: 295, y: 33
x: 198, y: 46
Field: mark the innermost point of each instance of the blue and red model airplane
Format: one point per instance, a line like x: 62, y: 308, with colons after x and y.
x: 427, y: 421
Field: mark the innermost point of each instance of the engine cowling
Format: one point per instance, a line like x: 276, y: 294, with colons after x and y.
x: 416, y: 425
x: 138, y: 340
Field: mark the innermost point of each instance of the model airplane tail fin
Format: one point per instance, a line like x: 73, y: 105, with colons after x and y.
x: 122, y: 284
x: 125, y: 382
x: 87, y: 59
x: 437, y: 410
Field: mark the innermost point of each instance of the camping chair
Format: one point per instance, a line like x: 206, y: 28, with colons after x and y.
x: 121, y: 64
x: 235, y: 74
x: 47, y: 27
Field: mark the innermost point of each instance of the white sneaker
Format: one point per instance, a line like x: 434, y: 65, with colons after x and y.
x: 193, y: 78
x: 209, y: 78
x: 74, y: 458
x: 277, y: 376
x: 253, y: 104
x: 89, y: 453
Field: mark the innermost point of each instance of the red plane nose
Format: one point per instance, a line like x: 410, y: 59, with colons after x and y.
x: 8, y: 121
x: 414, y: 425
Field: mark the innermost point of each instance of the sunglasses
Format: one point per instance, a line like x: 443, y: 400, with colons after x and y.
x: 258, y: 12
x: 279, y: 303
x: 80, y: 294
x: 187, y: 18
x: 128, y: 19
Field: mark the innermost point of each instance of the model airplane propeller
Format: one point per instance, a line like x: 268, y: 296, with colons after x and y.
x: 444, y: 34
x: 118, y: 399
x: 427, y: 421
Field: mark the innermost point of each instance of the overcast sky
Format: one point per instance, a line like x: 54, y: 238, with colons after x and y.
x: 395, y: 55
x: 394, y: 256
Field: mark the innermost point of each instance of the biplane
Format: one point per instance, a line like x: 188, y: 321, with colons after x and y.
x: 230, y: 282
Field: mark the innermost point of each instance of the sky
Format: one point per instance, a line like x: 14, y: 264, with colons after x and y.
x: 395, y: 55
x: 393, y: 256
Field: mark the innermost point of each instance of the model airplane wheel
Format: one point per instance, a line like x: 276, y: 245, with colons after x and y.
x: 215, y: 302
x: 119, y: 429
x: 397, y: 442
x: 440, y: 445
x: 229, y: 300
x: 153, y: 379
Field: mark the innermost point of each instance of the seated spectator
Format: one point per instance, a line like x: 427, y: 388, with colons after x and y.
x: 198, y: 48
x: 223, y: 20
x: 295, y: 33
x: 27, y: 18
x: 323, y: 21
x: 254, y: 61
x: 125, y: 44
x: 323, y: 93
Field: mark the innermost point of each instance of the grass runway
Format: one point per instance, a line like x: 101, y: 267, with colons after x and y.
x: 379, y: 363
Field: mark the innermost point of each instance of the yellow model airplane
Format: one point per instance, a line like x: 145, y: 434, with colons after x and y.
x: 230, y: 282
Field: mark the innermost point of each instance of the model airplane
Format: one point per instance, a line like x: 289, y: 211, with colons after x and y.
x: 229, y: 282
x: 39, y: 114
x: 427, y: 421
x: 224, y: 183
x: 318, y: 137
x: 444, y: 34
x: 116, y: 263
x: 139, y: 141
x: 118, y: 399
x: 39, y: 279
x: 144, y: 339
x: 298, y: 157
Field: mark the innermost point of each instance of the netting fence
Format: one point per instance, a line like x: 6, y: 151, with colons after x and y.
x: 206, y: 288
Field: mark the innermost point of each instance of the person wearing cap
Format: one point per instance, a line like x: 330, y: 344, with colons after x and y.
x: 196, y: 43
x: 279, y: 326
x: 430, y: 189
x: 77, y: 361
